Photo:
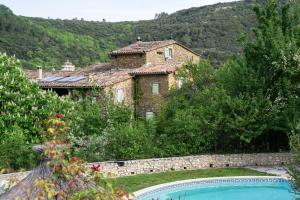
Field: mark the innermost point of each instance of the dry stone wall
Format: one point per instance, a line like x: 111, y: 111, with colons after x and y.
x: 154, y: 165
x: 147, y: 166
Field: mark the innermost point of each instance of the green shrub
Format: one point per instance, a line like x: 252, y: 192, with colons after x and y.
x: 250, y: 104
x: 93, y: 127
x: 23, y: 109
x: 127, y: 141
x: 16, y: 153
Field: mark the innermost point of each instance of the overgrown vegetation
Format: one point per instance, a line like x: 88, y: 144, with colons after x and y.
x: 250, y: 104
x: 106, y: 131
x: 23, y: 109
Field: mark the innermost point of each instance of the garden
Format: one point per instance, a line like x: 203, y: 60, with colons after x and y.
x: 250, y: 104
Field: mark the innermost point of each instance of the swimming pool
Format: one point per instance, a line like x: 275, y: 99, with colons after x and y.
x: 227, y: 188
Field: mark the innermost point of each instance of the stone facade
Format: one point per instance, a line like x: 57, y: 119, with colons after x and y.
x: 172, y: 81
x: 147, y: 101
x: 146, y: 166
x: 180, y: 55
x: 128, y: 60
x: 127, y: 87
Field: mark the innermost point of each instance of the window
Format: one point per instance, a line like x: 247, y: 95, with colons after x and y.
x: 168, y: 53
x: 149, y: 115
x: 180, y: 82
x: 94, y: 99
x: 120, y: 96
x: 155, y: 88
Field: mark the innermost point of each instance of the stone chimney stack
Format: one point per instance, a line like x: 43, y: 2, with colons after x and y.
x: 68, y: 66
x: 90, y: 77
x: 40, y: 73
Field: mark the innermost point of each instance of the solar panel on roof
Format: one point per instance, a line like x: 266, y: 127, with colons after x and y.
x: 77, y: 78
x: 66, y: 79
x: 47, y: 78
x: 54, y: 79
x: 51, y: 78
x: 71, y: 79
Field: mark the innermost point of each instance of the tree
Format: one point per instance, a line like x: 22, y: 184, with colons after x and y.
x: 273, y: 58
x: 24, y: 107
x: 251, y: 103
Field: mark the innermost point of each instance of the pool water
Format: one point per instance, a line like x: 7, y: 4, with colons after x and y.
x: 225, y: 189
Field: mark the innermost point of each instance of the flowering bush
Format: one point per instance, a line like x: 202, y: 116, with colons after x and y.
x: 71, y: 177
x: 23, y: 109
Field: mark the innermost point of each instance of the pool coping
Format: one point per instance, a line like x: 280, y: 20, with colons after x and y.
x: 154, y: 188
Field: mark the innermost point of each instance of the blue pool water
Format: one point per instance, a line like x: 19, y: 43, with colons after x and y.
x: 225, y: 189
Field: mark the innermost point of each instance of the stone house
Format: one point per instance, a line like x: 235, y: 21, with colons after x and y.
x: 139, y: 75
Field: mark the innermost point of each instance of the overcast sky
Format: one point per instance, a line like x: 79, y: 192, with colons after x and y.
x: 111, y: 10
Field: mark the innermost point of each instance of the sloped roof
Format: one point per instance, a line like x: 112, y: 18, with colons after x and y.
x: 142, y: 47
x: 98, y: 67
x: 100, y: 79
x: 98, y: 75
x: 154, y: 69
x: 33, y: 74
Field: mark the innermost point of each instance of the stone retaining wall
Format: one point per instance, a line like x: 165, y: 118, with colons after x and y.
x: 154, y: 165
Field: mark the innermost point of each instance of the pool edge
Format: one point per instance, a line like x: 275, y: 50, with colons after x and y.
x: 155, y: 187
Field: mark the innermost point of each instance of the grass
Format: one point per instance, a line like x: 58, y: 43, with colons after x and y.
x: 134, y: 183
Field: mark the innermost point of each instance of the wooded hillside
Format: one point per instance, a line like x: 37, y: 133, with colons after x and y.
x: 212, y: 31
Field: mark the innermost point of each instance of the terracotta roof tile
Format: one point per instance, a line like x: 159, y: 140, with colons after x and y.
x: 99, y: 79
x: 142, y: 47
x: 98, y: 75
x: 156, y: 69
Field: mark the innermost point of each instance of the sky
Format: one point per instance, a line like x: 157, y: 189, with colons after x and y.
x: 110, y: 10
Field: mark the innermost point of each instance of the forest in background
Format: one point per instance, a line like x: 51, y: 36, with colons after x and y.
x: 212, y: 31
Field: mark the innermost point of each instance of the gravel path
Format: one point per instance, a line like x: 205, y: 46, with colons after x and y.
x: 278, y: 171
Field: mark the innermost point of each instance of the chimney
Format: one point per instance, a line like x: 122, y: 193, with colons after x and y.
x: 90, y: 77
x: 138, y: 39
x: 40, y: 73
x: 68, y: 66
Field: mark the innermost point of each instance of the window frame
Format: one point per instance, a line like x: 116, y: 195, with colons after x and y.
x: 180, y: 82
x: 149, y: 115
x: 168, y: 53
x: 152, y: 88
x: 94, y: 99
x: 117, y: 95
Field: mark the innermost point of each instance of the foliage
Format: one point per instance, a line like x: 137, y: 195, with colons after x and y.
x: 250, y: 103
x: 104, y: 128
x: 295, y: 151
x: 70, y: 177
x: 126, y: 141
x: 37, y: 45
x: 16, y: 153
x: 24, y: 107
x: 209, y: 30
